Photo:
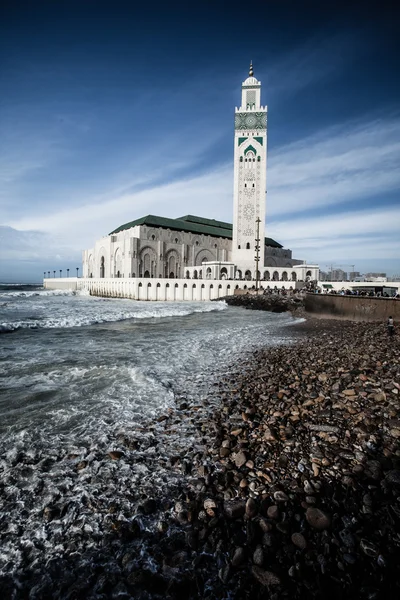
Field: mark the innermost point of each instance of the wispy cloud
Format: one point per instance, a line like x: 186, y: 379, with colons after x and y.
x: 335, y: 166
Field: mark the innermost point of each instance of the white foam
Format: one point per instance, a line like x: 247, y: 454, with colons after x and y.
x: 97, y: 310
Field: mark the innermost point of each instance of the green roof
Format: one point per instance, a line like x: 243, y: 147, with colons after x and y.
x: 189, y: 223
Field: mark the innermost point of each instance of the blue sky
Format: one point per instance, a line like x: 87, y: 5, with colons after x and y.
x: 110, y: 111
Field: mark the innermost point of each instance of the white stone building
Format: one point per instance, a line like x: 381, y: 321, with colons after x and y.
x: 198, y: 248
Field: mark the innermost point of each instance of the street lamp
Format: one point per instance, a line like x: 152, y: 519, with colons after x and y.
x: 67, y: 272
x: 77, y: 271
x: 48, y: 273
x: 54, y: 274
x: 60, y: 272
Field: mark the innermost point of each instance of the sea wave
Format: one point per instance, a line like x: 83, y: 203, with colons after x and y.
x: 91, y: 317
x: 4, y: 294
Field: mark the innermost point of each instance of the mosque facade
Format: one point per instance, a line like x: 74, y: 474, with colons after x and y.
x: 192, y: 247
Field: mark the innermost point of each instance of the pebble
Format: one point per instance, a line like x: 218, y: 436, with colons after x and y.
x: 299, y: 540
x: 317, y: 518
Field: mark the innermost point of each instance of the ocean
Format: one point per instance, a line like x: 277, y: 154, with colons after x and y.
x: 77, y: 373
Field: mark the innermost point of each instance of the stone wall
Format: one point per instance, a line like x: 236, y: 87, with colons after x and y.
x: 355, y: 308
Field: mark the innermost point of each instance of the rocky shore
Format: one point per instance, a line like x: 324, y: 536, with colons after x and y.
x: 288, y: 485
x: 272, y: 302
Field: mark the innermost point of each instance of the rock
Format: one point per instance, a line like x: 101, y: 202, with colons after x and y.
x: 251, y: 508
x: 238, y: 557
x: 317, y: 518
x: 115, y: 454
x: 299, y: 540
x: 240, y: 459
x: 368, y: 548
x: 280, y: 496
x: 258, y: 556
x: 209, y: 503
x: 266, y: 578
x: 235, y: 509
x: 273, y: 512
x: 393, y: 477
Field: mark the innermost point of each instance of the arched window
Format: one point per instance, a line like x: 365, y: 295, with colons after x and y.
x: 247, y: 275
x: 294, y: 276
x: 267, y: 276
x: 248, y: 246
x: 275, y: 276
x: 102, y: 268
x: 284, y: 276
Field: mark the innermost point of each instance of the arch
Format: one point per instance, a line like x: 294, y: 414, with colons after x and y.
x: 195, y: 274
x: 172, y: 264
x: 204, y: 255
x: 223, y: 273
x: 248, y: 246
x: 270, y: 262
x: 228, y: 287
x: 247, y: 275
x: 102, y: 266
x: 275, y: 276
x: 284, y: 276
x: 208, y: 273
x: 149, y: 285
x: 147, y: 262
x: 238, y: 274
x: 90, y: 265
x: 187, y: 275
x: 250, y: 149
x: 294, y: 276
x: 267, y: 276
x: 117, y: 262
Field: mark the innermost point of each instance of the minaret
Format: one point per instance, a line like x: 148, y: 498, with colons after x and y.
x: 250, y: 176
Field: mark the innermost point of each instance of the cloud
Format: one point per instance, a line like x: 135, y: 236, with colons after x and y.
x: 339, y: 164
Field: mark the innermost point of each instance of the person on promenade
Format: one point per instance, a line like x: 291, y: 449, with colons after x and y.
x: 390, y: 326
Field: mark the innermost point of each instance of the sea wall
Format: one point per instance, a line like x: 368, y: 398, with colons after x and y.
x: 151, y: 289
x: 356, y: 308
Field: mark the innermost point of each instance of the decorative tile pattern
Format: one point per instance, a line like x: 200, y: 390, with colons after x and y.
x: 251, y: 120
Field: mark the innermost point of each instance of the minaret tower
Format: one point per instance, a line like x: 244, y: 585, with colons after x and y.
x: 250, y: 176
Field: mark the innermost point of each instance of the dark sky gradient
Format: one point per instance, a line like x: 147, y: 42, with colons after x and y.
x: 100, y: 99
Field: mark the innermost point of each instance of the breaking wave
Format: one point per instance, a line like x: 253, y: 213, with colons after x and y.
x: 100, y: 310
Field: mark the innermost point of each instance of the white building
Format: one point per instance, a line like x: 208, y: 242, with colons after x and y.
x: 198, y: 248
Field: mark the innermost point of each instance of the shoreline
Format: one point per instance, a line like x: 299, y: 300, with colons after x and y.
x: 290, y: 486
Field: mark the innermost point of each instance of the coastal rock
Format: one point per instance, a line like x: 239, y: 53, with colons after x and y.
x: 266, y: 578
x: 317, y: 519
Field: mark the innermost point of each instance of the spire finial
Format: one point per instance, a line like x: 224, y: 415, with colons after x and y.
x: 251, y: 72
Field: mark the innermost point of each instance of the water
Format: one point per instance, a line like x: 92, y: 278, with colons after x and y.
x: 77, y: 373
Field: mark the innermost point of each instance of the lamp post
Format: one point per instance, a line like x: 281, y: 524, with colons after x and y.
x: 60, y: 273
x: 48, y: 273
x: 77, y: 271
x: 257, y: 249
x: 44, y: 274
x: 67, y: 272
x: 54, y: 274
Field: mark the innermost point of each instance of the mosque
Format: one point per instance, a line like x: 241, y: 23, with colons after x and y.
x: 191, y: 247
